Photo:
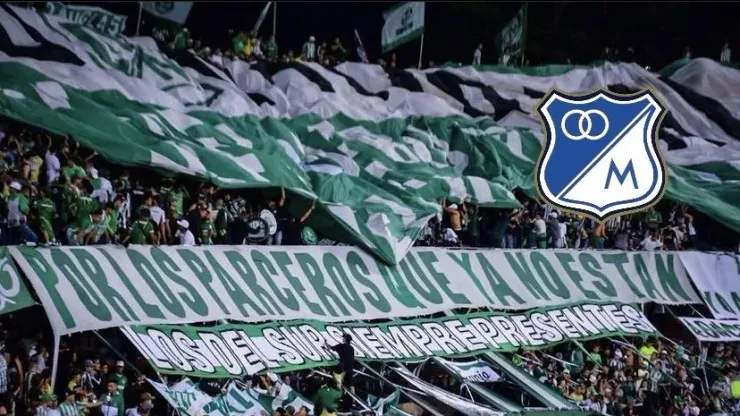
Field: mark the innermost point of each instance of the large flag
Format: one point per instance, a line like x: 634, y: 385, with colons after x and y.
x: 402, y: 24
x: 512, y: 37
x: 377, y: 154
x: 176, y: 11
x: 262, y: 17
x: 360, y: 49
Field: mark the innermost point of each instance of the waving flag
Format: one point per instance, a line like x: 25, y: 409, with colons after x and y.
x: 360, y: 49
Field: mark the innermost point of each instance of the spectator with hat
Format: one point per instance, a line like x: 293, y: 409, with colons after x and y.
x: 47, y: 406
x: 118, y: 377
x: 91, y: 381
x: 184, y: 235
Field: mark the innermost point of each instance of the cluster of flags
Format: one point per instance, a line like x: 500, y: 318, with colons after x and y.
x: 403, y: 23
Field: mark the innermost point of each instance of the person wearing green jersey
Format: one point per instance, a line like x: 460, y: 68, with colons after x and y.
x: 272, y: 49
x: 207, y: 228
x: 119, y: 378
x: 178, y: 194
x: 112, y: 211
x: 73, y: 169
x: 45, y: 211
x: 142, y: 230
x: 112, y: 401
x: 95, y: 229
x: 18, y: 207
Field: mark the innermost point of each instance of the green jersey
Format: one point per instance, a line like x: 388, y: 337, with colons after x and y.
x: 45, y: 208
x: 178, y: 197
x: 113, y: 221
x: 141, y: 229
x: 97, y: 229
x: 119, y: 379
x: 207, y: 232
x: 71, y: 172
x: 83, y: 206
x: 272, y: 50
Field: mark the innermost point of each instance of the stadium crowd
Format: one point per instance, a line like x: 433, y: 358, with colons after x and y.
x: 619, y: 378
x: 55, y: 192
x: 655, y: 377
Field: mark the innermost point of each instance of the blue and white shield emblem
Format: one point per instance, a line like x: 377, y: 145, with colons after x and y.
x: 600, y: 157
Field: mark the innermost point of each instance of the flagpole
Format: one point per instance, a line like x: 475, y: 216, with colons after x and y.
x: 421, y: 49
x: 524, y: 31
x: 138, y: 20
x: 274, y: 20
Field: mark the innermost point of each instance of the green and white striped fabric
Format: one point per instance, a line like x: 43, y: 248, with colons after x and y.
x: 377, y: 155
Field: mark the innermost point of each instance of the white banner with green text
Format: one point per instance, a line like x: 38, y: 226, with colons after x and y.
x: 717, y: 278
x: 87, y: 288
x: 101, y: 20
x: 713, y: 330
x: 233, y: 350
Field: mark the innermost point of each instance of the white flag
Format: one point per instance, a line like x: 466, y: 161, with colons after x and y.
x: 402, y: 24
x: 176, y: 11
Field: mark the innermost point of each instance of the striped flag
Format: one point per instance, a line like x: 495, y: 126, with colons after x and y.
x: 262, y: 17
x: 360, y: 49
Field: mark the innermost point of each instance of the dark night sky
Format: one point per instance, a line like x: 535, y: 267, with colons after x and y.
x: 659, y: 31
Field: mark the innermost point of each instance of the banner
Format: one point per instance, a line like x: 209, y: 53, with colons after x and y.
x: 477, y: 371
x: 86, y: 288
x: 101, y: 20
x: 402, y: 24
x: 511, y: 37
x: 238, y: 350
x: 458, y: 403
x: 713, y: 330
x: 176, y: 11
x: 188, y: 399
x: 717, y: 278
x: 14, y: 294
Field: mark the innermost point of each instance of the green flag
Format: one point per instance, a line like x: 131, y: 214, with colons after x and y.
x: 403, y: 23
x: 512, y: 36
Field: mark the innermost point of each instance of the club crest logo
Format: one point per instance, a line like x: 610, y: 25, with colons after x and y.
x: 600, y: 156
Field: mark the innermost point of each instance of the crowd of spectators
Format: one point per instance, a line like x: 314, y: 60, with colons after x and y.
x: 55, y: 192
x: 655, y: 377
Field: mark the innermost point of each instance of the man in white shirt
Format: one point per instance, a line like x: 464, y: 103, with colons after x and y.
x: 652, y: 242
x: 53, y: 166
x: 478, y: 54
x: 540, y: 228
x: 724, y: 57
x: 102, y: 187
x: 184, y: 235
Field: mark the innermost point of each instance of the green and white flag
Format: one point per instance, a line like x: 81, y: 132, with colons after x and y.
x: 284, y: 397
x: 403, y: 23
x: 239, y: 350
x: 476, y: 371
x: 454, y: 401
x: 512, y: 37
x: 89, y: 16
x: 14, y: 294
x: 175, y: 11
